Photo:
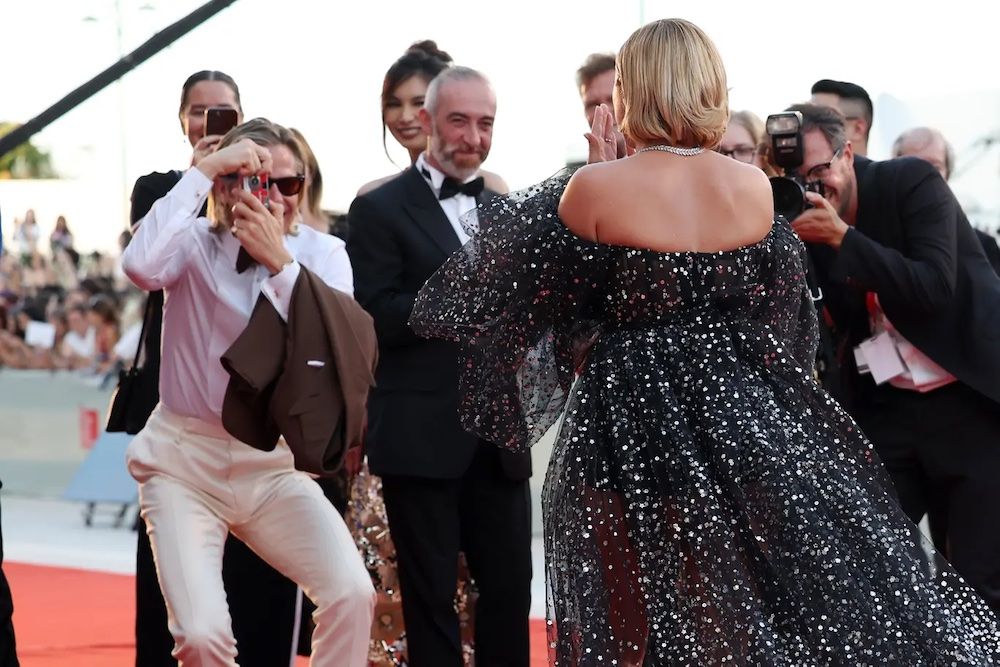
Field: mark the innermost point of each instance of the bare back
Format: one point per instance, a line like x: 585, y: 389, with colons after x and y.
x: 667, y: 203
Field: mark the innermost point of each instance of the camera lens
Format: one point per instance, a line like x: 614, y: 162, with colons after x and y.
x: 789, y: 197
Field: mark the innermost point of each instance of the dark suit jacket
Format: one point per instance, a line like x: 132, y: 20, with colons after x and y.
x: 991, y: 249
x: 399, y: 237
x: 913, y: 246
x: 307, y: 379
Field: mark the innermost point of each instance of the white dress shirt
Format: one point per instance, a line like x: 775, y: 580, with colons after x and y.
x: 208, y: 304
x: 453, y: 207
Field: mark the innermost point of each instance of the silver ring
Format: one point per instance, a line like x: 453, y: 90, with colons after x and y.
x: 610, y: 141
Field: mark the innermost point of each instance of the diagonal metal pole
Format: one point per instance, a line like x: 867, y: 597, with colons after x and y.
x: 127, y: 63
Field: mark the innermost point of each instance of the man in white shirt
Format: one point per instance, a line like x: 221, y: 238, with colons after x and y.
x: 197, y: 483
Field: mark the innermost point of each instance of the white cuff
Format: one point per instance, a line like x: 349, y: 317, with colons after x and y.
x: 278, y: 288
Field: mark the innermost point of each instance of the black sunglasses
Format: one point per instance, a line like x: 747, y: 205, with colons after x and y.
x: 287, y: 185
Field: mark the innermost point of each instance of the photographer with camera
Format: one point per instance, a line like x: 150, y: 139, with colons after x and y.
x: 262, y: 603
x: 197, y: 483
x: 915, y: 308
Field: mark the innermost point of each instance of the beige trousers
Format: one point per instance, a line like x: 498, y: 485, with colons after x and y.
x: 196, y: 484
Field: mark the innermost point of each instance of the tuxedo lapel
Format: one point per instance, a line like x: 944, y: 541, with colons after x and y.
x: 426, y: 212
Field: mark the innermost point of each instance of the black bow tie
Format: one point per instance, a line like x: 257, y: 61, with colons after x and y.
x: 451, y: 187
x: 244, y: 261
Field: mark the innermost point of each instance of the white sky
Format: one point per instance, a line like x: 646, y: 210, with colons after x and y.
x: 318, y: 65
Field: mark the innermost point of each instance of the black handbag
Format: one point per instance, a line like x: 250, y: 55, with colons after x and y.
x: 138, y: 391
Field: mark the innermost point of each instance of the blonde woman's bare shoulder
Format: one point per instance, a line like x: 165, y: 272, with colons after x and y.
x: 371, y: 185
x: 749, y: 184
x: 578, y: 206
x: 757, y: 188
x: 494, y: 182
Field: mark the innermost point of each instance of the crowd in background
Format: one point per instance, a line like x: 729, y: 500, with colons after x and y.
x: 63, y: 310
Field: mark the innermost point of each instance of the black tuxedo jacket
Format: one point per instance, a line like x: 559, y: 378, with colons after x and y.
x: 399, y: 237
x: 913, y: 246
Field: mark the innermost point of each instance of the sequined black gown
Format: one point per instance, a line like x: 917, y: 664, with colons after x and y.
x: 706, y: 502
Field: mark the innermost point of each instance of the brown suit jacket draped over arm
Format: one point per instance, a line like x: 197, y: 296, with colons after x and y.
x: 307, y: 379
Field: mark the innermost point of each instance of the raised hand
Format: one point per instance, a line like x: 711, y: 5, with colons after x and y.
x: 605, y: 141
x: 243, y: 158
x: 205, y: 147
x: 820, y: 224
x: 260, y: 230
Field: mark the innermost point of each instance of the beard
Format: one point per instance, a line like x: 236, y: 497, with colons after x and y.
x: 459, y: 160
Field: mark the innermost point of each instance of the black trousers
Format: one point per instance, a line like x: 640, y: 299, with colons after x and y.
x: 486, y: 515
x: 261, y: 604
x: 8, y: 650
x: 942, y: 450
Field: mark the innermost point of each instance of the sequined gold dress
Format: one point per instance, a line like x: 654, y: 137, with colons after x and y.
x: 706, y: 502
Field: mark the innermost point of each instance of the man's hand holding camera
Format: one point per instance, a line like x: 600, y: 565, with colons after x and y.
x: 244, y: 158
x: 820, y: 224
x: 260, y: 230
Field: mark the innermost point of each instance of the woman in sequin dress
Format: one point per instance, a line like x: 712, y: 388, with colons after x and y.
x: 706, y: 502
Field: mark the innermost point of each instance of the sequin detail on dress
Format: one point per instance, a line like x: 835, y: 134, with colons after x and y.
x: 706, y: 502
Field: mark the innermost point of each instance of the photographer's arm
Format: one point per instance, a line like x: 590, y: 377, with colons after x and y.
x: 164, y: 240
x: 923, y: 276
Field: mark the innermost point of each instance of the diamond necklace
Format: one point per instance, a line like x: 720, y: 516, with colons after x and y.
x: 686, y: 152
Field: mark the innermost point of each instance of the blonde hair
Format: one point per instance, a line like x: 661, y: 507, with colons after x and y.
x: 262, y: 132
x: 672, y: 85
x: 750, y: 122
x: 312, y: 189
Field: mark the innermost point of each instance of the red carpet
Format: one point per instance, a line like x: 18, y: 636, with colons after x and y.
x: 79, y: 618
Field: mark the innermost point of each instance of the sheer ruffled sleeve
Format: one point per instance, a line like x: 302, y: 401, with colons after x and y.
x: 518, y: 297
x: 793, y: 311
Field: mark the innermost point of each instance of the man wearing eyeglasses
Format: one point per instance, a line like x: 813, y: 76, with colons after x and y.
x: 916, y: 312
x: 854, y: 103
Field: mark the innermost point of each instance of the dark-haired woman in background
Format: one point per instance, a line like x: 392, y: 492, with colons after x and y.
x: 262, y: 603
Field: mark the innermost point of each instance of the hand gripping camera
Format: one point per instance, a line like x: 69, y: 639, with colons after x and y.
x: 785, y: 130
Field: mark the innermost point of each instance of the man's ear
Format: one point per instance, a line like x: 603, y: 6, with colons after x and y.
x: 425, y: 120
x: 849, y: 152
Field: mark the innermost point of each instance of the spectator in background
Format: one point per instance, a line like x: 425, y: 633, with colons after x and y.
x: 79, y: 345
x: 37, y: 274
x: 26, y: 234
x: 61, y: 238
x: 596, y: 81
x: 311, y: 210
x: 930, y: 145
x: 853, y: 103
x: 103, y: 316
x: 131, y: 327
